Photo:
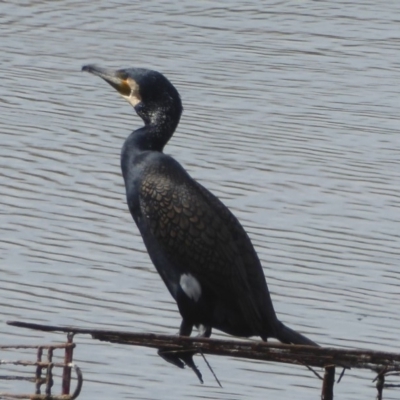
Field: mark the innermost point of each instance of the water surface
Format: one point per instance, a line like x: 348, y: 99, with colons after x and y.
x: 291, y: 118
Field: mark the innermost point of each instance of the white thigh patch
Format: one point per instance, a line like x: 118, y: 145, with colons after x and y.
x: 191, y: 286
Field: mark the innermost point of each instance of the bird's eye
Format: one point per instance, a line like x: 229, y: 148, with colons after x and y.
x: 122, y: 75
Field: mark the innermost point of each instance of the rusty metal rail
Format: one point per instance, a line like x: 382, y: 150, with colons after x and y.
x: 43, y: 376
x: 384, y: 364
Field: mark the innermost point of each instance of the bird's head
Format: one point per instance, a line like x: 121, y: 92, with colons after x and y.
x: 152, y: 95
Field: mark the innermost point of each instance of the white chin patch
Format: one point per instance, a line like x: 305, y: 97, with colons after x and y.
x: 191, y: 286
x: 132, y: 99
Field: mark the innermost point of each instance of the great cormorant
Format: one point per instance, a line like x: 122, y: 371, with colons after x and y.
x: 200, y: 249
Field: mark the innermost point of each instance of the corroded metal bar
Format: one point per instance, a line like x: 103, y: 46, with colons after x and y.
x: 380, y: 384
x: 328, y: 382
x: 46, y: 396
x: 48, y: 365
x: 38, y: 373
x: 66, y: 378
x: 36, y: 396
x: 44, y: 347
x: 257, y: 350
x: 41, y: 364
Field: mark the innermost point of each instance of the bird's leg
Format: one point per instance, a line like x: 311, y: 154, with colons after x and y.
x: 185, y: 328
x: 180, y: 359
x: 204, y: 331
x: 173, y: 357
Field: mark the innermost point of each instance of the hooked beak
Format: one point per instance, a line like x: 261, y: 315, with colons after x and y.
x: 117, y: 79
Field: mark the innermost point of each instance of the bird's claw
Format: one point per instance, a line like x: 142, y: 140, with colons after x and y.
x: 180, y: 360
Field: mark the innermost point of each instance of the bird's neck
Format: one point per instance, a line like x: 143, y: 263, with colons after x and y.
x: 137, y: 145
x: 160, y: 124
x: 152, y: 137
x: 149, y: 138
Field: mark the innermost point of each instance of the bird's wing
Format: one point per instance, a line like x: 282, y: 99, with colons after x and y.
x: 201, y: 236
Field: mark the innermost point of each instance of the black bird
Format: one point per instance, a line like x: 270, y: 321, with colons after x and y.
x: 200, y: 249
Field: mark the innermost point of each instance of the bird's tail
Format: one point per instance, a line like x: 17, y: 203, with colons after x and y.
x: 286, y: 335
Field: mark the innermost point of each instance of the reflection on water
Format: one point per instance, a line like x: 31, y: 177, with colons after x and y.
x: 290, y: 118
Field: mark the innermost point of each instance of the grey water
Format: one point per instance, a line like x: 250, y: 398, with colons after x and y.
x: 291, y: 118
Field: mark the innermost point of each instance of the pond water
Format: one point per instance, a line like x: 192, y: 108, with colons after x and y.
x: 291, y: 118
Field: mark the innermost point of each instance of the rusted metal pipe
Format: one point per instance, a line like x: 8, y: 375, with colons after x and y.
x: 328, y: 382
x: 66, y: 378
x: 48, y: 366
